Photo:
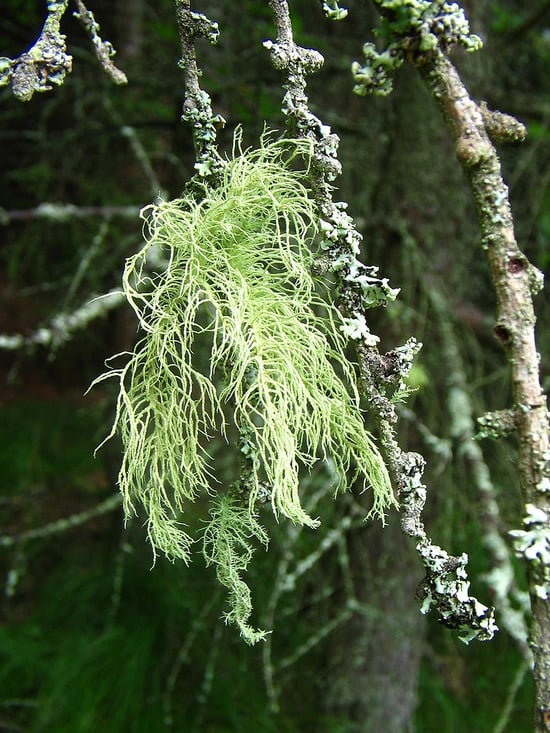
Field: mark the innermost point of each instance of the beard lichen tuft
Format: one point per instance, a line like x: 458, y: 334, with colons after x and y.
x: 238, y: 278
x: 227, y: 546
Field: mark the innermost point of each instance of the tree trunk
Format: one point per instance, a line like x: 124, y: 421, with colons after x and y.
x: 373, y: 660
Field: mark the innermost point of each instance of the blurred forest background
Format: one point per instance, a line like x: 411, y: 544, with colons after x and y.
x: 92, y: 638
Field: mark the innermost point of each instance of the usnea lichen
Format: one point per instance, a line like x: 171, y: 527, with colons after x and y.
x: 227, y: 546
x: 238, y: 282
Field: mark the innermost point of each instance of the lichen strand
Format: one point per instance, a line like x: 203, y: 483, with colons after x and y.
x: 410, y: 27
x: 227, y: 545
x: 238, y: 281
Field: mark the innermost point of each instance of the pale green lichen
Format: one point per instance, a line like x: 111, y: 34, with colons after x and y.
x: 447, y: 587
x: 533, y: 544
x: 238, y: 286
x: 227, y: 545
x: 495, y: 425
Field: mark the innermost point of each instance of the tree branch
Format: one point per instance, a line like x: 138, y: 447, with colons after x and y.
x: 65, y: 212
x: 62, y: 525
x: 516, y: 282
x: 423, y: 35
x: 45, y: 63
x: 446, y: 585
x: 197, y: 106
x: 63, y: 325
x: 104, y: 50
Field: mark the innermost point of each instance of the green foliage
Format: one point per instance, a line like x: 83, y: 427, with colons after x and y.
x: 65, y: 669
x: 34, y: 449
x: 506, y: 19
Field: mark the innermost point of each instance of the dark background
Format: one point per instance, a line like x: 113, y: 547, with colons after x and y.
x: 92, y: 638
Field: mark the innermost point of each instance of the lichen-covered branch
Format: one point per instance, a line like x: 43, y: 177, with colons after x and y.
x: 104, y: 50
x: 57, y: 212
x: 511, y: 603
x: 446, y: 584
x: 47, y: 62
x: 63, y: 325
x: 516, y: 281
x: 362, y: 288
x: 197, y: 106
x: 421, y: 25
x: 64, y: 524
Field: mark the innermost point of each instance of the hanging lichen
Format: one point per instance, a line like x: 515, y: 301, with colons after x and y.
x: 238, y: 277
x: 227, y: 546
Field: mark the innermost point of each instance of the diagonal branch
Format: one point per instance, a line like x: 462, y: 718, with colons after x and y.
x: 104, y: 50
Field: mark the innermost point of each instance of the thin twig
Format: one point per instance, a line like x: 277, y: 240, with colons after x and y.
x: 104, y: 50
x: 64, y: 325
x: 504, y: 719
x: 56, y: 212
x: 62, y: 525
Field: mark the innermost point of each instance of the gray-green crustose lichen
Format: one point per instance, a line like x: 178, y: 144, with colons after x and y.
x: 410, y: 26
x: 333, y: 11
x: 533, y: 544
x: 238, y: 282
